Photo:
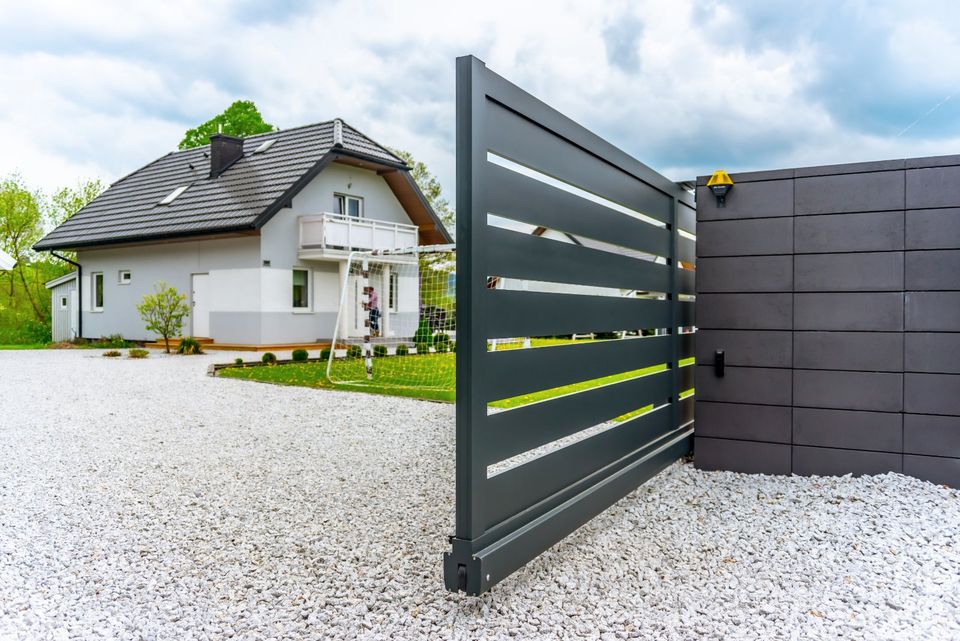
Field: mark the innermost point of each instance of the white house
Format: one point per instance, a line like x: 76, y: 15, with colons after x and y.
x: 255, y: 231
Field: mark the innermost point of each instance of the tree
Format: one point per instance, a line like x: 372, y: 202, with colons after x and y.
x: 430, y: 187
x: 242, y: 118
x: 67, y: 201
x: 21, y: 225
x: 164, y: 311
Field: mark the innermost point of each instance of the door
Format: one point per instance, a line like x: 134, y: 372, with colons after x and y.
x: 521, y: 484
x: 200, y: 305
x: 358, y: 315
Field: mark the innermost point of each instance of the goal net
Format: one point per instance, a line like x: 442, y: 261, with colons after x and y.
x: 396, y: 323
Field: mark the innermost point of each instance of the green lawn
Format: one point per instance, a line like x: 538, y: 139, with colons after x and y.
x: 428, y: 376
x: 27, y: 346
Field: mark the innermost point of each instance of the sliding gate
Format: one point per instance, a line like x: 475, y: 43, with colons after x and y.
x: 571, y: 276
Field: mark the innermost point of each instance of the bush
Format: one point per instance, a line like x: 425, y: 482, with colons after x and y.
x: 113, y: 340
x: 238, y: 361
x: 422, y: 348
x: 269, y: 358
x: 441, y: 342
x: 354, y: 351
x: 138, y: 353
x: 379, y: 350
x: 423, y: 334
x: 325, y: 353
x: 402, y: 350
x: 112, y: 353
x: 189, y: 346
x: 300, y: 355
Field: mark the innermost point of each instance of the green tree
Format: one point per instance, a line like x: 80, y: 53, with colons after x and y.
x: 67, y: 201
x: 430, y: 187
x: 164, y: 311
x: 242, y: 119
x: 21, y: 225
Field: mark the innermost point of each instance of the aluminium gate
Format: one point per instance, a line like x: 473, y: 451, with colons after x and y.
x: 559, y: 233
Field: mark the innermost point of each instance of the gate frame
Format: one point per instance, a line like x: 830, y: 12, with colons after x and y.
x: 482, y: 557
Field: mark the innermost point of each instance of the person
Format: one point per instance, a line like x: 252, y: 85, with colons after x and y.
x: 374, y: 306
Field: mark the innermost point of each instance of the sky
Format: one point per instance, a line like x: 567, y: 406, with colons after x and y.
x: 97, y: 89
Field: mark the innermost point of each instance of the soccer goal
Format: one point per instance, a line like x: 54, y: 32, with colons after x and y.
x: 396, y: 327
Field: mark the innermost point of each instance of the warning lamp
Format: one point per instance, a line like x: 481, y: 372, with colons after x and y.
x: 720, y: 184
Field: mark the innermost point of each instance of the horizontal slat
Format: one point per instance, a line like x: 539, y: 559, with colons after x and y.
x: 522, y: 487
x: 686, y: 250
x: 516, y: 138
x: 686, y: 377
x: 687, y: 316
x: 516, y: 547
x: 521, y: 371
x: 687, y: 283
x: 522, y: 429
x: 511, y: 195
x: 517, y: 255
x: 516, y: 313
x: 686, y: 218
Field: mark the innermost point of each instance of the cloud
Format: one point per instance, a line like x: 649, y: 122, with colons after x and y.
x: 101, y: 88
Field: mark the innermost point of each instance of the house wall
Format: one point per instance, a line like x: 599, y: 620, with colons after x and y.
x: 834, y: 293
x: 234, y: 286
x: 63, y: 321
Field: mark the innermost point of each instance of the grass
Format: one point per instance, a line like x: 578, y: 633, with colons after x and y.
x: 24, y: 346
x: 425, y: 376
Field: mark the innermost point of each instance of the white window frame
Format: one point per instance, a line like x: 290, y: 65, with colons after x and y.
x: 308, y: 307
x: 93, y: 291
x: 343, y: 204
x: 121, y: 280
x: 64, y: 303
x: 393, y: 292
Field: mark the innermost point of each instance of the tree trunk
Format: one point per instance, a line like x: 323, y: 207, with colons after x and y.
x: 166, y: 341
x: 29, y: 295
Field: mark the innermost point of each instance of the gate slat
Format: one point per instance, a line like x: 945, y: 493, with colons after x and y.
x: 515, y: 313
x: 524, y: 256
x: 528, y: 484
x: 521, y: 371
x: 519, y: 430
x: 521, y: 198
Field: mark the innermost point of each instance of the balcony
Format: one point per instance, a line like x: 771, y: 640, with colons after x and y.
x: 334, y: 235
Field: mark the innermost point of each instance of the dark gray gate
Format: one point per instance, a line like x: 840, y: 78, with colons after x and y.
x: 584, y: 225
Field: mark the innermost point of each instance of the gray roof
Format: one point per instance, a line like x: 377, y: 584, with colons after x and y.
x: 244, y: 196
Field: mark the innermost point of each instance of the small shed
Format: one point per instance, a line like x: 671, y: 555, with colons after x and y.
x: 64, y: 307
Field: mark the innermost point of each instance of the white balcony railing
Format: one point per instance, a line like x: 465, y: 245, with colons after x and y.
x: 337, y: 232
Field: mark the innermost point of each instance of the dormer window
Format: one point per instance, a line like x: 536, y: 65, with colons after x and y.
x: 349, y: 205
x: 173, y: 195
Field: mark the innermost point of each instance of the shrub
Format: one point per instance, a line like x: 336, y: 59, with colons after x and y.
x: 325, y: 353
x: 238, y: 361
x: 113, y: 341
x: 441, y: 342
x: 112, y: 353
x: 300, y: 355
x: 189, y: 346
x: 423, y: 334
x: 163, y: 312
x: 354, y: 351
x: 422, y: 348
x: 402, y: 350
x: 269, y: 358
x: 138, y: 353
x: 379, y: 350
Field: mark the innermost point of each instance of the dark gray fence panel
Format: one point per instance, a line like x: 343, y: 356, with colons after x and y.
x: 603, y: 257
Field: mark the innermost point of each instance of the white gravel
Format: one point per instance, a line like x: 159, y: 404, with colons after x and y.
x: 145, y: 500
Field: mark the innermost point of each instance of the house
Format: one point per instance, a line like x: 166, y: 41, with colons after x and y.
x: 6, y: 261
x: 256, y: 231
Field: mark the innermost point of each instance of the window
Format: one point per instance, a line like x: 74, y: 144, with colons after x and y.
x: 301, y: 281
x: 97, y: 291
x: 63, y: 302
x: 266, y: 144
x: 173, y: 194
x: 349, y: 205
x: 124, y: 277
x: 393, y: 294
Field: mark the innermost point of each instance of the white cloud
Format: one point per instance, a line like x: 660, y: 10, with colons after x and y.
x: 101, y: 88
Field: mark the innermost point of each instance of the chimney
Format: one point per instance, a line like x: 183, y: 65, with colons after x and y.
x: 224, y: 151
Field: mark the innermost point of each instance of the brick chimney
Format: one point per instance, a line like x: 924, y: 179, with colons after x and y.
x: 224, y: 151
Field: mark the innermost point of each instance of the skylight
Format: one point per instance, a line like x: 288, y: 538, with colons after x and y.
x: 266, y: 144
x: 173, y: 195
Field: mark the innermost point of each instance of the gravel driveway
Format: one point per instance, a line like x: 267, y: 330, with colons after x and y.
x: 145, y: 500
